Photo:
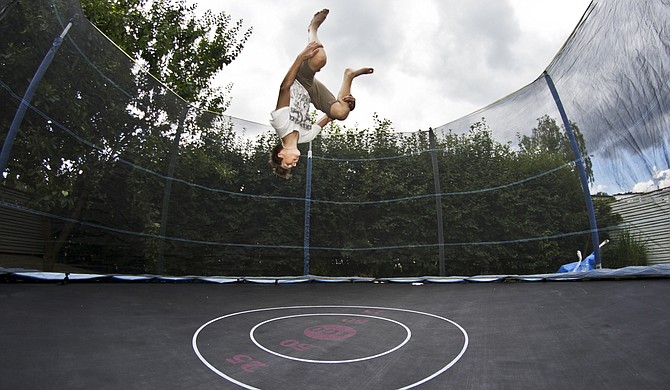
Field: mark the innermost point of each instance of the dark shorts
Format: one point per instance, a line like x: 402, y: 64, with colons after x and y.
x: 321, y: 97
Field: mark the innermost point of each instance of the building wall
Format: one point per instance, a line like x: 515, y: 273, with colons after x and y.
x: 648, y: 214
x: 21, y: 233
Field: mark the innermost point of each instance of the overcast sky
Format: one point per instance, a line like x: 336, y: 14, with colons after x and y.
x: 434, y: 60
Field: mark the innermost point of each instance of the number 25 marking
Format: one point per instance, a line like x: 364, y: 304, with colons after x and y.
x: 250, y: 364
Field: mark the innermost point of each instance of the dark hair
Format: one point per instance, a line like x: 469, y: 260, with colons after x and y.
x: 275, y: 162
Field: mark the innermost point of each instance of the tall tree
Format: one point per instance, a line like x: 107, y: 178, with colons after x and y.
x: 177, y: 45
x: 96, y: 108
x: 549, y: 137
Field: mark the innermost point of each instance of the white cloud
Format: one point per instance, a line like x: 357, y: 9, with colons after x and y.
x: 434, y: 61
x: 661, y: 179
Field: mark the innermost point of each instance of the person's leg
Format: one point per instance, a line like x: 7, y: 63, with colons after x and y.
x: 321, y: 98
x: 319, y: 60
x: 340, y: 109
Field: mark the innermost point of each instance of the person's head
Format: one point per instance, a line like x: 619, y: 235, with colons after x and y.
x: 282, y: 160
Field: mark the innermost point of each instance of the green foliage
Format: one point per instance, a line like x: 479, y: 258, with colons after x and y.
x: 549, y: 137
x: 175, y: 44
x: 99, y: 110
x: 626, y: 249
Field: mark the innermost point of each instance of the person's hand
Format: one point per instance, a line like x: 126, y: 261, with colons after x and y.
x: 350, y: 100
x: 310, y: 50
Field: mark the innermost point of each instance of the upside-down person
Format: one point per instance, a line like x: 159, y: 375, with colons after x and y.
x: 298, y: 89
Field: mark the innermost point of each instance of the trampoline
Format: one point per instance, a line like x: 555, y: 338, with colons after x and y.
x: 599, y: 334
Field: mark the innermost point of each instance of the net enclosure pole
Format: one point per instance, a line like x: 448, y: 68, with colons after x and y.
x: 160, y: 265
x: 580, y: 168
x: 438, y: 201
x: 308, y: 195
x: 28, y: 96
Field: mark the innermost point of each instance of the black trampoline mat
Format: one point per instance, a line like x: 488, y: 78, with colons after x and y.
x: 557, y: 335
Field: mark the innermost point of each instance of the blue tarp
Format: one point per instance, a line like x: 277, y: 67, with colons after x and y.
x: 588, y: 264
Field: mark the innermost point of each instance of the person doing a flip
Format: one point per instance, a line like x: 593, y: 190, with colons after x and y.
x: 298, y: 89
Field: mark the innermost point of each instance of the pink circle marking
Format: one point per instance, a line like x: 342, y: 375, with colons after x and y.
x: 330, y: 332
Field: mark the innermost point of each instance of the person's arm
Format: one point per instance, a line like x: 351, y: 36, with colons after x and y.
x: 323, y: 121
x: 308, y: 136
x: 285, y: 88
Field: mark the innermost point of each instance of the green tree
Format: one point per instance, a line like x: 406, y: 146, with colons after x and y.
x: 178, y: 46
x: 99, y: 118
x: 481, y: 204
x: 549, y: 137
x: 185, y: 51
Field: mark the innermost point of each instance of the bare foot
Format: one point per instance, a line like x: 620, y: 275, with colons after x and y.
x: 355, y: 73
x: 317, y: 19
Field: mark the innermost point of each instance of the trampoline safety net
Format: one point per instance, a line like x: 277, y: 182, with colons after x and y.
x: 106, y: 170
